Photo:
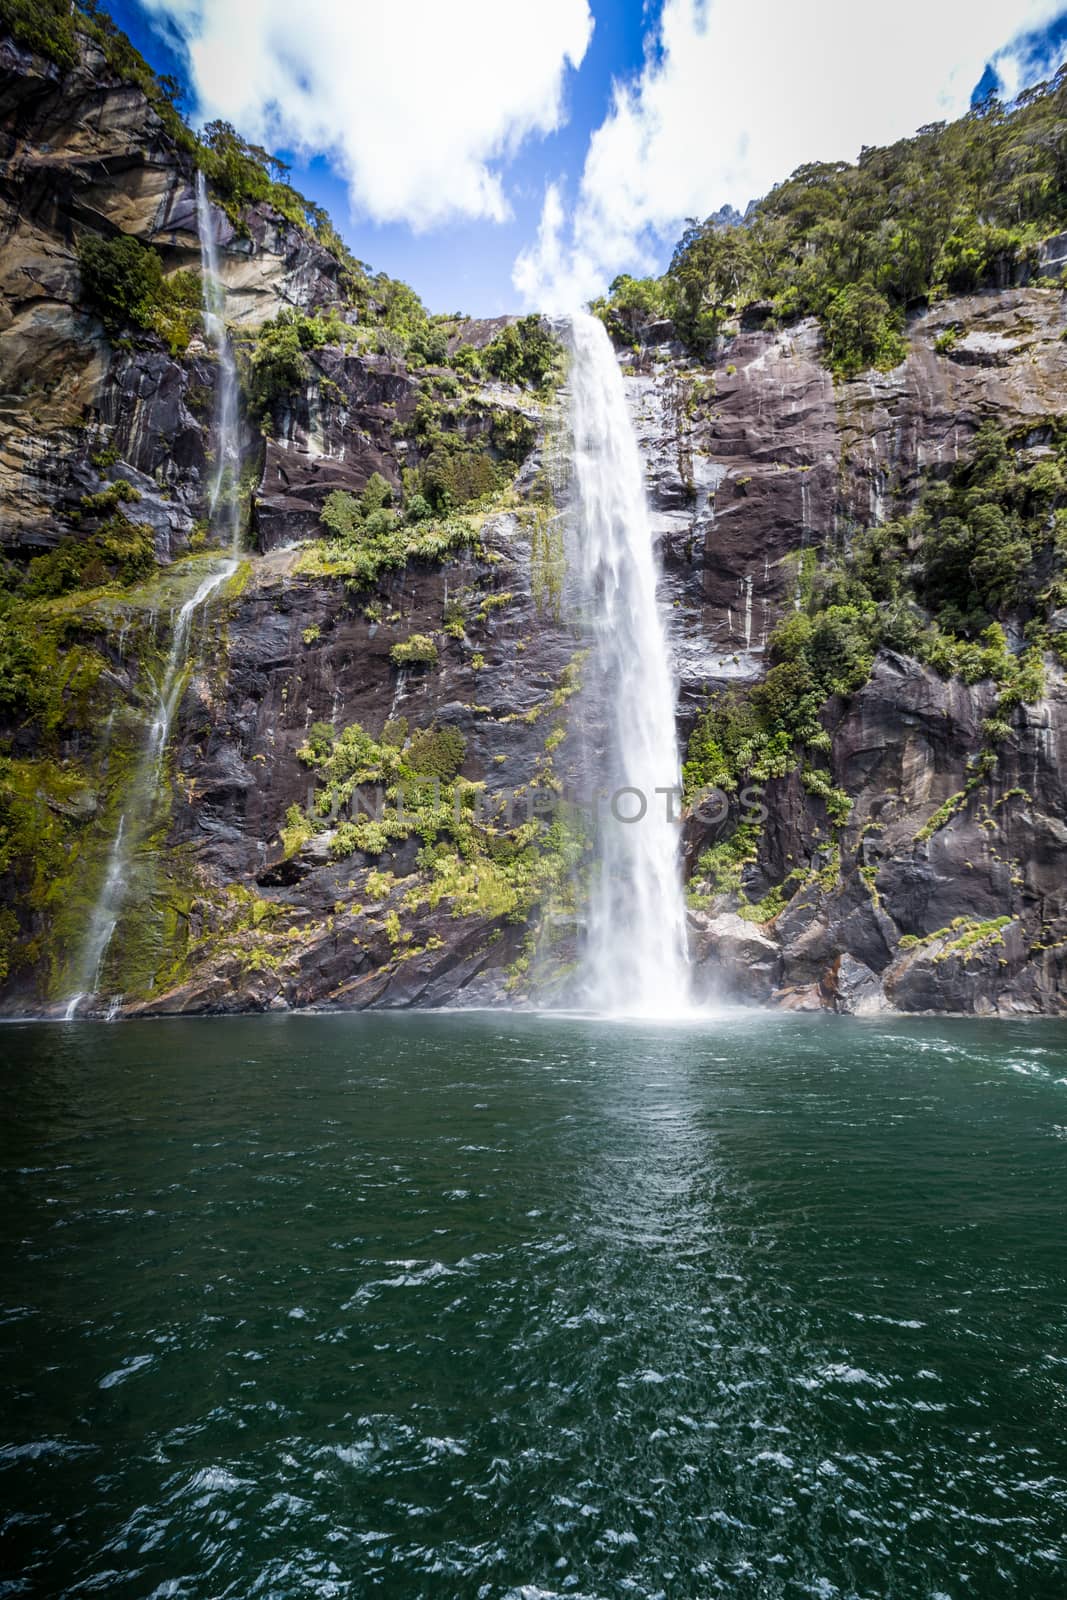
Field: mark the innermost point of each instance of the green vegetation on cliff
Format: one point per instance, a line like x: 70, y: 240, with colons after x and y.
x: 955, y: 208
x: 476, y: 853
x: 73, y: 729
x: 273, y: 358
x: 119, y: 552
x: 464, y: 458
x: 467, y: 449
x: 50, y: 27
x: 988, y: 541
x: 418, y: 650
x: 123, y: 281
x: 368, y: 537
x: 110, y: 550
x: 986, y: 546
x: 523, y: 352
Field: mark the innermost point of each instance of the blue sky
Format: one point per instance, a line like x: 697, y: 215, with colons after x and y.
x: 499, y: 154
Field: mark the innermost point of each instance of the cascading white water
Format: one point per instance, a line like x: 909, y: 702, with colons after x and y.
x: 224, y: 516
x: 140, y: 795
x: 636, y: 960
x: 223, y: 500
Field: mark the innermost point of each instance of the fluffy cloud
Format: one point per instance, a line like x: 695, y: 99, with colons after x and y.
x: 415, y: 101
x: 736, y: 93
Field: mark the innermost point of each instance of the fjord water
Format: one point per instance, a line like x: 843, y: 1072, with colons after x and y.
x: 518, y: 1306
x: 635, y: 958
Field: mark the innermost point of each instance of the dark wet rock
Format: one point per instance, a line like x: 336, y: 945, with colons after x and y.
x: 803, y: 997
x: 342, y: 428
x: 857, y: 989
x: 800, y: 459
x: 952, y: 900
x: 733, y: 958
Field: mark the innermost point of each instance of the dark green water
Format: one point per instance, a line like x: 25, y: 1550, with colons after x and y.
x: 484, y: 1307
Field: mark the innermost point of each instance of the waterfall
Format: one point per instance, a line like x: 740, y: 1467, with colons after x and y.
x: 226, y: 477
x: 142, y: 792
x: 224, y: 519
x: 635, y: 960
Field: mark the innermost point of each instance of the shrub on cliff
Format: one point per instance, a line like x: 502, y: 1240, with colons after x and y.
x: 123, y: 281
x: 418, y: 651
x: 632, y: 302
x: 862, y: 331
x: 377, y: 493
x: 46, y: 26
x: 455, y: 468
x: 238, y: 173
x: 835, y: 645
x: 989, y: 540
x: 436, y: 752
x: 502, y: 869
x: 455, y: 478
x: 19, y: 686
x: 523, y: 352
x: 364, y: 543
x: 120, y: 551
x: 272, y: 359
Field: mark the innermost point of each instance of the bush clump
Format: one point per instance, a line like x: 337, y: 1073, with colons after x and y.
x: 436, y: 752
x: 119, y: 552
x: 497, y: 868
x: 417, y: 651
x: 273, y: 359
x: 45, y: 26
x: 123, y: 281
x: 523, y: 352
x: 368, y: 538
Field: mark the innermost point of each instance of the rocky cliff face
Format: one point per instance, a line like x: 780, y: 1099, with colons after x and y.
x: 937, y: 894
x: 84, y: 152
x: 220, y: 913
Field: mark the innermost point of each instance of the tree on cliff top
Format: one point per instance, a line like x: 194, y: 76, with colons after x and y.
x: 954, y: 208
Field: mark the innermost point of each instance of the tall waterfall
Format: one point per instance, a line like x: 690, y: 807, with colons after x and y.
x: 224, y: 517
x: 223, y: 500
x: 636, y: 951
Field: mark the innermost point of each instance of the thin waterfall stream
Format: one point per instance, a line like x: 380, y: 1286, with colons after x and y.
x: 635, y: 960
x: 224, y: 518
x: 223, y: 498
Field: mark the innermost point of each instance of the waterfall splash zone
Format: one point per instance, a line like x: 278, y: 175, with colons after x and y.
x: 224, y: 515
x: 635, y: 958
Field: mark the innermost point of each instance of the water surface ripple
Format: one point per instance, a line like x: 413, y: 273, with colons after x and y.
x: 510, y: 1307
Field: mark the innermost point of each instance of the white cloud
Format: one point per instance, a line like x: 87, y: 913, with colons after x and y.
x: 416, y: 102
x: 736, y: 94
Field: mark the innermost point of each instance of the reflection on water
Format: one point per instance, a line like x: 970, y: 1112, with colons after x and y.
x: 506, y: 1306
